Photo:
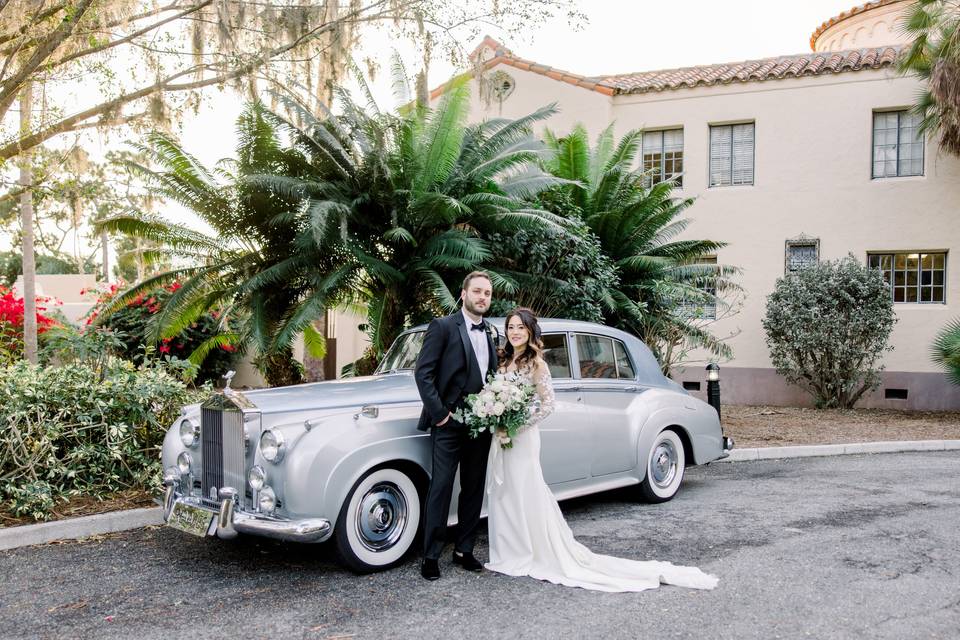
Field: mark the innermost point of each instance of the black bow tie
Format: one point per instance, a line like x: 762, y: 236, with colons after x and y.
x: 476, y: 327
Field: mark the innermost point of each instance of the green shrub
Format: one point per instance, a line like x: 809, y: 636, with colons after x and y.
x: 827, y: 328
x: 74, y: 429
x: 571, y: 274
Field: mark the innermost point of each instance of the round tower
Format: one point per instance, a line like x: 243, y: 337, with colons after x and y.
x: 873, y: 24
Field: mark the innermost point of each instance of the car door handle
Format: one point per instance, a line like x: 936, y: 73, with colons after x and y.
x: 630, y: 389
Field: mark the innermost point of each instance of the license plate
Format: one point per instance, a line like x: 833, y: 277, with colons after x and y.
x: 190, y: 519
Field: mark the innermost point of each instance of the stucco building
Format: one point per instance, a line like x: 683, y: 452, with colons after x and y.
x: 794, y: 158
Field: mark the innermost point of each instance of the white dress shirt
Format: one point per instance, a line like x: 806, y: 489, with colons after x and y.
x: 479, y: 341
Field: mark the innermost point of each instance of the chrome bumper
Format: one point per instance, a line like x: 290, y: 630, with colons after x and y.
x: 229, y: 522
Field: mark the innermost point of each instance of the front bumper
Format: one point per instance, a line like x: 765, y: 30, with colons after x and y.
x: 228, y: 522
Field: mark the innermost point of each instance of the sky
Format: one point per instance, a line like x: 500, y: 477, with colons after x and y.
x: 619, y: 36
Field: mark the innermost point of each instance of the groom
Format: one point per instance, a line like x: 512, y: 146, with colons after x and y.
x: 456, y: 356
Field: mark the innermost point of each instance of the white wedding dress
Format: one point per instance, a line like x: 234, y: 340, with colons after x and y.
x: 529, y: 536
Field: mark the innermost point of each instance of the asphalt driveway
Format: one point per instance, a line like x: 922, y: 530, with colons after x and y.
x: 843, y: 547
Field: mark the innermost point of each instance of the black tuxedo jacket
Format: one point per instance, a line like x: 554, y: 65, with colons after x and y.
x: 447, y: 368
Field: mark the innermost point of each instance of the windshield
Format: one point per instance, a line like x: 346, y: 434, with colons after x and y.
x: 403, y: 354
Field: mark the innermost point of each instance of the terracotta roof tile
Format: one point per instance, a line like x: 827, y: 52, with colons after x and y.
x: 806, y: 64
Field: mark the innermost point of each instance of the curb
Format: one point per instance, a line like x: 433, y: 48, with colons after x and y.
x: 807, y: 451
x: 83, y: 527
x: 86, y: 526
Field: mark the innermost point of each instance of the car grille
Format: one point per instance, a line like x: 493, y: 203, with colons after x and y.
x: 223, y: 452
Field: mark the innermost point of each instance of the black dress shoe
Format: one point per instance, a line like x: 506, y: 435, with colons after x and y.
x: 467, y: 561
x: 430, y: 569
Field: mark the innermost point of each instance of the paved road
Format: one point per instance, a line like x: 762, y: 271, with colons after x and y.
x: 843, y: 547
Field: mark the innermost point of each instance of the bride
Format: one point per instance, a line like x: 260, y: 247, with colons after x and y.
x: 528, y: 535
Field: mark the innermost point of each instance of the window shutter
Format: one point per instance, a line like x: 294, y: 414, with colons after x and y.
x: 743, y: 154
x: 720, y: 153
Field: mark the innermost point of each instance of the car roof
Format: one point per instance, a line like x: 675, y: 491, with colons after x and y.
x: 555, y: 324
x: 648, y: 370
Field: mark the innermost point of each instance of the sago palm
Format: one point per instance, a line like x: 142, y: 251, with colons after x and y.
x: 661, y: 277
x: 257, y: 262
x: 409, y: 203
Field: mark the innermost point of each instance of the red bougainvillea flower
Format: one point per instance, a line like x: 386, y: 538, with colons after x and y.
x: 164, y: 348
x: 229, y: 348
x: 11, y: 311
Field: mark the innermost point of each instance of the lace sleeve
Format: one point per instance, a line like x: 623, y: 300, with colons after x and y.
x: 544, y: 400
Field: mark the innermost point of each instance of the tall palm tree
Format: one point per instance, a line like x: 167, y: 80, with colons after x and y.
x: 934, y: 55
x: 257, y: 262
x: 661, y: 277
x: 406, y: 202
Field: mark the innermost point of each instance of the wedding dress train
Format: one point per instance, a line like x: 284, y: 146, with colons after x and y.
x: 528, y: 533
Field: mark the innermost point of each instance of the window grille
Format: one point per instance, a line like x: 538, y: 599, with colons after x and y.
x: 663, y: 156
x: 897, y: 144
x: 913, y: 277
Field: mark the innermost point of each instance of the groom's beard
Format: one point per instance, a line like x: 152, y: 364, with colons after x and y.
x: 469, y: 306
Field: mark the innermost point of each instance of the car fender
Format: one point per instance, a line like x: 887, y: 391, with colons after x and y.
x: 341, y: 448
x: 700, y: 429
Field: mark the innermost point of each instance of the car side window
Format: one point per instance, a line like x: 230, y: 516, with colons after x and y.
x: 602, y: 357
x: 624, y: 366
x: 596, y: 357
x: 556, y: 354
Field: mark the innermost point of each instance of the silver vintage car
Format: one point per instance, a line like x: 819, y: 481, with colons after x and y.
x: 343, y: 459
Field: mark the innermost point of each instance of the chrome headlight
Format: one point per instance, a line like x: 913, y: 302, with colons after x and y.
x: 184, y: 462
x: 189, y: 433
x: 267, y: 499
x: 256, y: 478
x: 272, y: 445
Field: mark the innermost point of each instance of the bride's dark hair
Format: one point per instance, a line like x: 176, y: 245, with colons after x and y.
x: 534, y: 348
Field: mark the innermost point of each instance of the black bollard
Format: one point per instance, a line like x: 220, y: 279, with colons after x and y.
x: 713, y: 386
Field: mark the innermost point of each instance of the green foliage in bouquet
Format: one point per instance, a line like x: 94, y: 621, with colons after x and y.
x: 501, y: 408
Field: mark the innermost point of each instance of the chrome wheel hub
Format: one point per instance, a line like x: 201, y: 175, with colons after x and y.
x: 381, y: 516
x: 663, y: 464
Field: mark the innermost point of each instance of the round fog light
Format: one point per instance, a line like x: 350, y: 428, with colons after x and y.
x: 268, y: 499
x: 189, y: 433
x: 256, y: 478
x: 184, y: 462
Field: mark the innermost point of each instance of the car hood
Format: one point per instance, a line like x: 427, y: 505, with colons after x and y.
x: 334, y: 394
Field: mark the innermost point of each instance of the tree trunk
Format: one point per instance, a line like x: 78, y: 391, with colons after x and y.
x: 280, y: 369
x: 26, y: 217
x: 105, y: 247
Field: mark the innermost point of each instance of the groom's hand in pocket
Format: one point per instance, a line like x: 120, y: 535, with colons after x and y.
x: 445, y: 420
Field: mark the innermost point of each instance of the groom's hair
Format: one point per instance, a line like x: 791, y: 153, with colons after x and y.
x: 472, y: 275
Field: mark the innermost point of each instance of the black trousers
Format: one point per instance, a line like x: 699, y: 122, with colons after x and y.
x: 452, y: 446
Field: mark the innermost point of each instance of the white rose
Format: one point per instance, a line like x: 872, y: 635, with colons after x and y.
x: 496, y: 385
x: 488, y: 397
x: 479, y: 412
x: 498, y: 409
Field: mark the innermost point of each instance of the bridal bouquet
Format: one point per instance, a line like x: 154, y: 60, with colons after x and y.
x: 501, y: 407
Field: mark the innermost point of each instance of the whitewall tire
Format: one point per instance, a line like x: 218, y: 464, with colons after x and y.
x: 665, y: 463
x: 378, y: 521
